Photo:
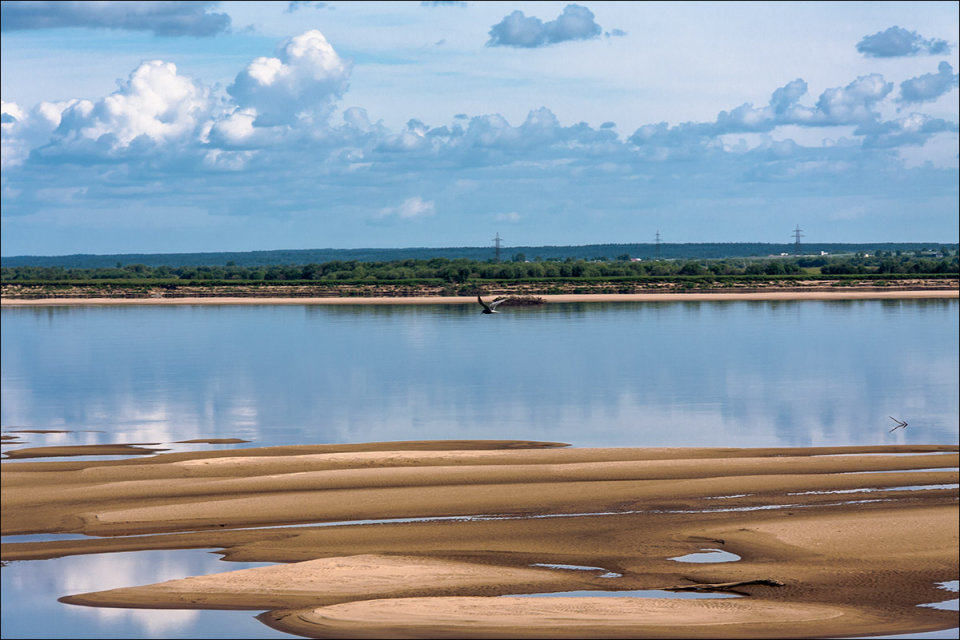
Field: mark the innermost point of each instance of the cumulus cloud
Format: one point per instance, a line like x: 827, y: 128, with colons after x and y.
x: 305, y: 80
x: 296, y: 5
x: 517, y: 30
x: 415, y: 137
x: 410, y: 209
x: 165, y: 138
x: 155, y: 103
x: 12, y: 149
x: 164, y: 18
x: 914, y: 130
x: 236, y: 130
x: 853, y: 103
x: 298, y: 89
x: 23, y: 130
x: 857, y: 103
x: 357, y: 118
x: 10, y: 112
x: 929, y: 86
x: 493, y: 134
x: 896, y: 42
x: 483, y: 137
x: 784, y: 100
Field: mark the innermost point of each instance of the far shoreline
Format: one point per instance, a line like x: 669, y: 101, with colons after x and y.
x: 849, y: 294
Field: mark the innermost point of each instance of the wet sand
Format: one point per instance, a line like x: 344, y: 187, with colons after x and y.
x: 831, y: 541
x: 842, y: 294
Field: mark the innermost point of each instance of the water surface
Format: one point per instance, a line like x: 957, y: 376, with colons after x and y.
x: 744, y: 374
x: 602, y: 374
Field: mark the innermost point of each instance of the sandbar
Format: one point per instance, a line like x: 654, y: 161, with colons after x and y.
x: 852, y: 293
x: 118, y: 449
x: 469, y: 539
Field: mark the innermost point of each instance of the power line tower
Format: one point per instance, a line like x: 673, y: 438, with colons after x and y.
x: 496, y: 244
x: 658, y: 243
x: 796, y: 240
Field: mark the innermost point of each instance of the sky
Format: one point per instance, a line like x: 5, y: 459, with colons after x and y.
x: 167, y: 127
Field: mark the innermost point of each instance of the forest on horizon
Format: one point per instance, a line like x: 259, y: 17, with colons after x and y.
x: 590, y: 252
x: 939, y: 262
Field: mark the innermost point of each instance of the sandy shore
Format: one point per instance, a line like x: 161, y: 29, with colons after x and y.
x: 826, y: 541
x: 843, y: 294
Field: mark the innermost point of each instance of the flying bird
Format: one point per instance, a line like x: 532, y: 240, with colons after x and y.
x: 900, y: 424
x: 489, y: 308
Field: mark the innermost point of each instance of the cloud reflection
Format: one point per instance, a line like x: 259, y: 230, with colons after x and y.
x: 664, y: 374
x: 30, y: 589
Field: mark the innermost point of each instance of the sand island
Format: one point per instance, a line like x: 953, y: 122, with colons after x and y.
x: 19, y: 294
x: 473, y: 539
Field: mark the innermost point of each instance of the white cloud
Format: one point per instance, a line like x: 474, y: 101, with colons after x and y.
x: 853, y: 103
x: 410, y: 209
x: 164, y: 18
x: 11, y: 113
x: 929, y: 86
x: 296, y: 5
x: 13, y: 149
x: 238, y: 130
x: 23, y: 130
x: 896, y: 42
x: 228, y: 160
x: 413, y: 138
x: 914, y: 129
x: 305, y: 80
x: 154, y: 102
x: 181, y: 145
x: 517, y: 30
x: 856, y: 103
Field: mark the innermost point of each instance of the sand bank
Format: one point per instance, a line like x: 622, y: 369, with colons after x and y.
x: 842, y: 294
x: 831, y: 541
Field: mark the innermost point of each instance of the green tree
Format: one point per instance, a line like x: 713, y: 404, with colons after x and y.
x: 693, y: 269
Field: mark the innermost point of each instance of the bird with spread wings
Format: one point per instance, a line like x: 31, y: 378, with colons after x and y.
x: 489, y: 308
x: 900, y: 424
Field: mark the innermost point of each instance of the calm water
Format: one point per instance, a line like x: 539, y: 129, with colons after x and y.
x: 618, y: 374
x: 744, y: 374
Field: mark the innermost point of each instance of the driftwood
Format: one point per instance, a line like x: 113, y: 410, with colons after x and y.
x: 519, y: 301
x: 723, y: 586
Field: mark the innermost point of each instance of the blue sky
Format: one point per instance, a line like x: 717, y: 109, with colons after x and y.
x: 154, y: 127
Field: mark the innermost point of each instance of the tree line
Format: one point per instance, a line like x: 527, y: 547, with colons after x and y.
x: 646, y: 251
x: 460, y: 270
